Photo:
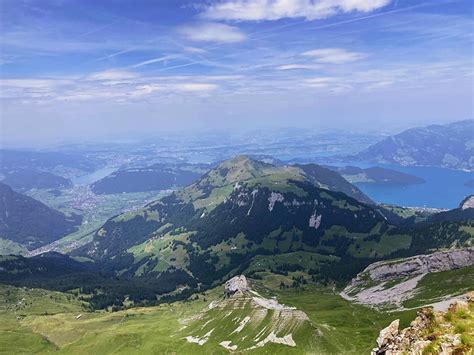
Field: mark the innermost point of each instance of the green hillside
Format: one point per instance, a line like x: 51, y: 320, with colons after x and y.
x: 246, y: 210
x: 329, y: 327
x: 241, y: 209
x: 26, y: 221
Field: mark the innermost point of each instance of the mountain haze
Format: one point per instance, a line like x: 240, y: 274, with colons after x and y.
x: 447, y: 146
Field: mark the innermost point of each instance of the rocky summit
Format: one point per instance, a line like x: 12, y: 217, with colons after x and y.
x: 236, y: 286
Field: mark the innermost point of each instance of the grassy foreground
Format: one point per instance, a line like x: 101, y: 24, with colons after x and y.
x: 47, y: 321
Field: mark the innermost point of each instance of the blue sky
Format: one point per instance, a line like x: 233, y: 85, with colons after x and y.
x: 103, y: 69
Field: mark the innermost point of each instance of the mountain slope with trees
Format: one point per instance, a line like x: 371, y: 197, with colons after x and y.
x: 31, y: 223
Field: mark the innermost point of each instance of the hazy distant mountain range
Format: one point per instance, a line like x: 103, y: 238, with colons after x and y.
x: 447, y: 146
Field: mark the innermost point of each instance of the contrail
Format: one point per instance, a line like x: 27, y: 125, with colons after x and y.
x: 98, y: 29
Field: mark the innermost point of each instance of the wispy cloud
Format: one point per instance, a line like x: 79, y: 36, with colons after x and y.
x: 212, y: 32
x: 162, y: 59
x: 334, y: 55
x: 113, y: 75
x: 258, y: 10
x: 298, y: 67
x: 115, y: 85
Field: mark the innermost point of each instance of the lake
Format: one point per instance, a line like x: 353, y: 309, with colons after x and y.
x: 444, y: 188
x: 93, y: 177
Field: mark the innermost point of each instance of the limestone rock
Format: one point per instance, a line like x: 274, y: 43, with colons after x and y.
x: 467, y: 203
x: 236, y: 286
x: 428, y: 328
x: 388, y: 334
x: 417, y: 265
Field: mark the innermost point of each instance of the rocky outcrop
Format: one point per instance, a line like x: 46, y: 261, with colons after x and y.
x: 388, y: 284
x: 417, y: 265
x: 440, y: 331
x: 236, y: 286
x: 468, y: 202
x: 252, y: 320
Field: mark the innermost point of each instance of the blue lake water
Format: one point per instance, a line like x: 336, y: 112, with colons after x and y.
x: 444, y: 188
x: 93, y: 177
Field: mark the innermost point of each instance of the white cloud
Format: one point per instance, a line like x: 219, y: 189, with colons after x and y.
x: 212, y: 32
x: 334, y: 55
x: 257, y: 10
x: 116, y: 85
x: 195, y: 87
x: 298, y: 67
x: 320, y: 81
x: 332, y: 85
x: 197, y: 50
x: 112, y: 75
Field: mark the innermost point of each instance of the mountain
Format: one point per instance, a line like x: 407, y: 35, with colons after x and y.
x: 376, y: 175
x: 29, y: 222
x: 155, y: 177
x: 251, y: 257
x: 326, y: 178
x: 26, y: 179
x: 249, y: 215
x: 240, y: 209
x: 447, y: 146
x: 21, y: 159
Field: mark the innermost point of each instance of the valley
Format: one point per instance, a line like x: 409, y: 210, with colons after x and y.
x: 147, y: 267
x: 263, y: 315
x: 236, y: 177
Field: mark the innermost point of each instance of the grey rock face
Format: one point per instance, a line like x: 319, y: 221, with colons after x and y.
x: 237, y: 285
x: 421, y: 264
x: 467, y: 203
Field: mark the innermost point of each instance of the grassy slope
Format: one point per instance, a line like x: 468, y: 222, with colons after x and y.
x: 337, y: 325
x: 8, y: 247
x: 18, y: 303
x: 434, y: 287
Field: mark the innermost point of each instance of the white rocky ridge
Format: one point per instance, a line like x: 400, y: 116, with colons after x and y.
x: 370, y: 286
x: 419, y: 264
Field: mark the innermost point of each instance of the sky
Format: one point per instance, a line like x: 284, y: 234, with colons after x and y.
x: 82, y: 70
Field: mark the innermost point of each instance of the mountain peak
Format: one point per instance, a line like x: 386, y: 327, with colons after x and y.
x: 238, y: 169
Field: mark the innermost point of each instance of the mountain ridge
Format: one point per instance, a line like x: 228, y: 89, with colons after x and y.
x: 245, y: 209
x: 29, y: 222
x: 447, y: 146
